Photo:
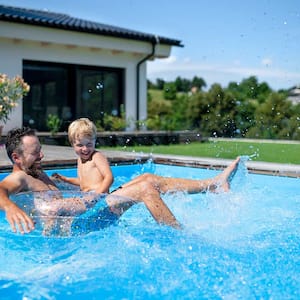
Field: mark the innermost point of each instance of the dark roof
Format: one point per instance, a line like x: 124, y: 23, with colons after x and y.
x: 66, y: 22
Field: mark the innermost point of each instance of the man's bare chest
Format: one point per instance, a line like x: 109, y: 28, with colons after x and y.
x: 40, y: 184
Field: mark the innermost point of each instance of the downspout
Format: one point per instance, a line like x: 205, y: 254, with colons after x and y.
x: 154, y: 43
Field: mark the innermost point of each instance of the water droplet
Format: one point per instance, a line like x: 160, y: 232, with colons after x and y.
x: 99, y: 86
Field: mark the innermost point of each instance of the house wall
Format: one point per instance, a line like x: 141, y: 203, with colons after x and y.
x: 25, y: 42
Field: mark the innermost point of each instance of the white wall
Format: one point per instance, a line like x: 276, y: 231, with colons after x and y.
x: 11, y: 65
x: 19, y: 42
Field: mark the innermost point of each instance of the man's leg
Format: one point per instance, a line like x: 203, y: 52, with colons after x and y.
x: 57, y: 212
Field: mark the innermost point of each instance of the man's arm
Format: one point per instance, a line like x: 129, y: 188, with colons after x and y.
x: 15, y: 216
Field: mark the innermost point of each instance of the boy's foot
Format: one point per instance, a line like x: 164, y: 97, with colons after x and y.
x: 222, y: 181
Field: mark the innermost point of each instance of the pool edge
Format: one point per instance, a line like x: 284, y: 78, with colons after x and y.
x: 64, y: 156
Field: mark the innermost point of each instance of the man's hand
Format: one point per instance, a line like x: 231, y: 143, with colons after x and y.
x: 18, y: 219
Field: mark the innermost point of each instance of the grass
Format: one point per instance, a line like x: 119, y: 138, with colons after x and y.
x: 156, y: 94
x: 258, y: 151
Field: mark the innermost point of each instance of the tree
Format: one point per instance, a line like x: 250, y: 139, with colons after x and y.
x: 223, y: 112
x: 263, y: 91
x: 198, y: 82
x: 214, y: 112
x: 249, y: 87
x: 170, y: 91
x: 292, y: 131
x: 158, y: 112
x: 179, y: 116
x: 272, y: 117
x: 197, y: 110
x: 160, y: 84
x: 150, y: 85
x: 182, y: 85
x: 246, y: 109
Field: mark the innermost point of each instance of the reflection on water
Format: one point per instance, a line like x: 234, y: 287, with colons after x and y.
x: 240, y: 245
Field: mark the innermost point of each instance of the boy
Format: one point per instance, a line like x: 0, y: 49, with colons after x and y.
x: 93, y: 170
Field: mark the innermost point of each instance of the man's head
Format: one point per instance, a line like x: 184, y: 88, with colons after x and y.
x: 24, y: 150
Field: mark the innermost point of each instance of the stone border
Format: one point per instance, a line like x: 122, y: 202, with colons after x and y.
x: 64, y: 157
x: 123, y: 158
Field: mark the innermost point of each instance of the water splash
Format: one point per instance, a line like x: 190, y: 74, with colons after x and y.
x: 243, y: 244
x: 149, y: 166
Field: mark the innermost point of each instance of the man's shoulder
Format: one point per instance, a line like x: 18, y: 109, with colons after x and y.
x: 15, y: 181
x: 18, y: 174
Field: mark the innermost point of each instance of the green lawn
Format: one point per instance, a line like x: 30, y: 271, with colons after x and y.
x: 258, y: 151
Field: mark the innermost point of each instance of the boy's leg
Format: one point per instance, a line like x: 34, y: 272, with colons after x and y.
x: 122, y: 199
x: 168, y: 184
x: 147, y: 188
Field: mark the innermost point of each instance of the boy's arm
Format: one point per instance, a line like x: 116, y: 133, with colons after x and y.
x: 72, y: 180
x: 103, y: 166
x: 15, y: 216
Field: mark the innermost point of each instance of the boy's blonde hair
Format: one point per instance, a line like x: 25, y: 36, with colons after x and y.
x: 80, y: 128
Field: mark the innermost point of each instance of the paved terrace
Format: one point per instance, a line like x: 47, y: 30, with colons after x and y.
x: 64, y: 156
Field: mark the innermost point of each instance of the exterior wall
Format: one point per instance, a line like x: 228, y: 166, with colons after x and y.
x: 11, y: 65
x: 26, y: 42
x: 294, y: 95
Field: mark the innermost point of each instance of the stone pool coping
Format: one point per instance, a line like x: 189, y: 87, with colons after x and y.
x: 64, y: 156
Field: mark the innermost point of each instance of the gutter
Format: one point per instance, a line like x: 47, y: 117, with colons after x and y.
x: 154, y: 43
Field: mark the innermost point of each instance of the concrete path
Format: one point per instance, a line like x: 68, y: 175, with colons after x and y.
x: 63, y: 156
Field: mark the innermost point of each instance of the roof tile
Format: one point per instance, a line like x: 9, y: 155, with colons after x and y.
x: 66, y: 22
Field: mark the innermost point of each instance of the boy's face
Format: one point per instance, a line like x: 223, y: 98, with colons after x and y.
x: 84, y: 147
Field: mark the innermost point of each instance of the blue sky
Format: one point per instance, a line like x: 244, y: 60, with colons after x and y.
x: 224, y: 41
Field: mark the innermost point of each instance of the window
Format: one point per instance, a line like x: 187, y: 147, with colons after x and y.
x: 70, y: 91
x: 98, y: 93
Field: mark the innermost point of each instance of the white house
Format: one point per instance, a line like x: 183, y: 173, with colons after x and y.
x: 76, y: 67
x: 294, y: 95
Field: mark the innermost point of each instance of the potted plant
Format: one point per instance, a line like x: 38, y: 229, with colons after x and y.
x: 11, y: 91
x: 53, y: 123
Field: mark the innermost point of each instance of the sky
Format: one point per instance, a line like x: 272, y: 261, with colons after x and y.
x: 224, y: 40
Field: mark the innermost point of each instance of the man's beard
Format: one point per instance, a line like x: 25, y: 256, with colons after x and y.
x: 34, y: 171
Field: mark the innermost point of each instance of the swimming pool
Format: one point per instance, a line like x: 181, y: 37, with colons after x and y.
x: 244, y: 244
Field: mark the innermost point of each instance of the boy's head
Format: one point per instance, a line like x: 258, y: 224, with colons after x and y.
x: 81, y: 128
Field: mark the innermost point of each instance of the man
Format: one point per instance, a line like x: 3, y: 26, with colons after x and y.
x: 24, y: 150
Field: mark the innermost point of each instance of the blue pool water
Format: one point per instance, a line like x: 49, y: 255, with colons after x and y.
x: 244, y: 244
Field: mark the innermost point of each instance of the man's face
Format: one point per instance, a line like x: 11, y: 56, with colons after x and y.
x: 32, y: 156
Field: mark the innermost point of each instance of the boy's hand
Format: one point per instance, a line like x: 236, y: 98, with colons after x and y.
x: 57, y: 176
